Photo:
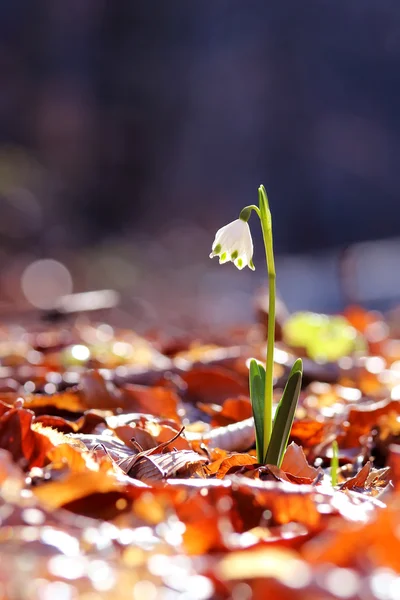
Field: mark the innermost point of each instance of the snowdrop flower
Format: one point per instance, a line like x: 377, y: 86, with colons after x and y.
x: 233, y: 243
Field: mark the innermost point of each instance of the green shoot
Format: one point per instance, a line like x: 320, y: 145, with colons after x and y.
x: 334, y: 463
x: 271, y: 437
x: 233, y: 243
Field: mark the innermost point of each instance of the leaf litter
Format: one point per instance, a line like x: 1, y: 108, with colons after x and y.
x: 137, y: 477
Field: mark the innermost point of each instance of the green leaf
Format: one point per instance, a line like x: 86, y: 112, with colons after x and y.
x: 284, y: 416
x: 257, y: 396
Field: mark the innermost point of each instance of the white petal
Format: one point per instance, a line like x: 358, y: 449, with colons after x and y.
x: 240, y: 262
x: 233, y: 242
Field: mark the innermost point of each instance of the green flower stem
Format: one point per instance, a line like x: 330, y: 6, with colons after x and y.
x: 266, y: 226
x: 264, y: 215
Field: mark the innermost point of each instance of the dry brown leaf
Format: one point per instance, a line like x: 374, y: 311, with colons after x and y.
x: 111, y: 445
x: 236, y: 437
x: 222, y: 466
x: 75, y: 487
x: 231, y: 411
x: 88, y: 423
x: 157, y: 401
x: 150, y: 464
x: 66, y: 455
x: 156, y: 467
x: 27, y: 447
x: 213, y: 384
x: 307, y: 433
x: 94, y: 391
x: 394, y: 465
x: 359, y: 480
x: 295, y: 463
x: 9, y: 470
x: 69, y: 401
x: 350, y: 544
x: 363, y: 417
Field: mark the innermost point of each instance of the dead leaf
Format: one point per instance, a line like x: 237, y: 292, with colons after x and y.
x: 295, y: 463
x: 359, y: 480
x: 363, y: 417
x: 158, y: 401
x: 155, y: 467
x: 87, y: 423
x: 76, y: 486
x: 234, y: 438
x: 68, y: 401
x: 394, y: 464
x: 213, y: 384
x: 307, y: 433
x: 9, y: 471
x: 231, y: 411
x: 27, y: 447
x: 221, y: 467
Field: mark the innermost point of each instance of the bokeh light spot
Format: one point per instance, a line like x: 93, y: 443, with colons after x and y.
x: 44, y: 281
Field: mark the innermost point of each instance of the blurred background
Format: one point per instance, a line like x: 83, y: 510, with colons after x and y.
x: 131, y: 131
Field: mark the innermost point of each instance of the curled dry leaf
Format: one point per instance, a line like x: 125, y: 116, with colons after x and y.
x: 155, y: 467
x: 359, y: 480
x: 236, y: 437
x: 27, y: 447
x: 135, y: 437
x: 295, y: 463
x: 89, y: 422
x: 151, y: 465
x: 223, y: 466
x: 149, y: 435
x: 109, y: 444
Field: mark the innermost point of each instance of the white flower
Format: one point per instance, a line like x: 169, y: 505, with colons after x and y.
x: 233, y: 242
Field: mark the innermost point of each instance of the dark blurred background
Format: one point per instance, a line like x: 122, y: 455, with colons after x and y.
x: 131, y: 130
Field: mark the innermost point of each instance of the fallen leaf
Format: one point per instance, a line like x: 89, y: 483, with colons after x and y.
x: 213, y: 384
x: 27, y: 447
x: 234, y: 438
x: 295, y: 463
x: 359, y: 480
x: 158, y: 401
x: 222, y: 466
x: 307, y: 433
x: 75, y: 486
x: 231, y: 411
x: 156, y: 467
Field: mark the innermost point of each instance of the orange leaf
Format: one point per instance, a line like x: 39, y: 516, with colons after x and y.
x: 158, y: 401
x: 213, y: 384
x: 27, y: 447
x: 222, y: 466
x: 295, y: 463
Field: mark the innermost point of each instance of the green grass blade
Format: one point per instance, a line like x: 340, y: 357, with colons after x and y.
x: 257, y: 396
x: 334, y: 463
x: 284, y: 416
